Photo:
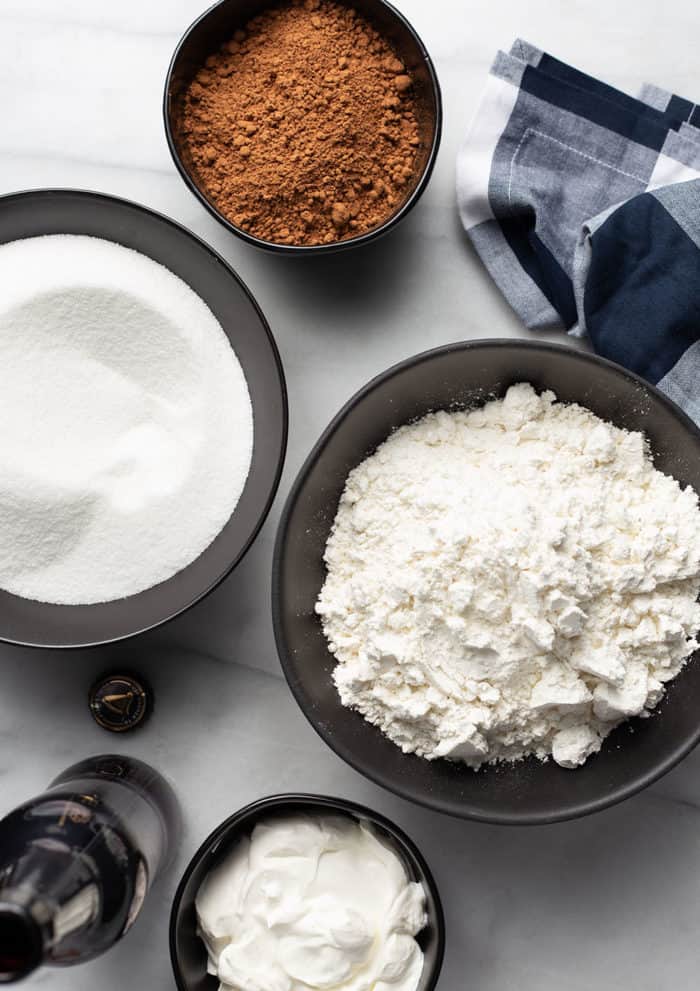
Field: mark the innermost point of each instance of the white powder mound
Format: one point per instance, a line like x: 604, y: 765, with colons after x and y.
x: 513, y: 580
x: 127, y: 424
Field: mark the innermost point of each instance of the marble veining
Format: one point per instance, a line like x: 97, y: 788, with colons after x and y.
x: 608, y: 902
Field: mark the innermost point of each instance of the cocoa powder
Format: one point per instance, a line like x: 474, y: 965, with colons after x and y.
x: 302, y: 128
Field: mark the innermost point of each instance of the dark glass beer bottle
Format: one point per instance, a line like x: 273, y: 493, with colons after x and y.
x: 77, y: 862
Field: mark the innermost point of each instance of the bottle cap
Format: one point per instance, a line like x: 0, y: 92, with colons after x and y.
x: 120, y: 702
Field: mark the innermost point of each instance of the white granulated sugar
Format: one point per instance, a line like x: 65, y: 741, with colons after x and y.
x: 127, y: 423
x: 509, y: 581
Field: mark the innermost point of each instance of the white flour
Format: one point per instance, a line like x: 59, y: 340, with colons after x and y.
x: 127, y: 424
x: 513, y: 580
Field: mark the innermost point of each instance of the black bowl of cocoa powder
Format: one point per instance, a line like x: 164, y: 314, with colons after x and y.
x: 304, y: 126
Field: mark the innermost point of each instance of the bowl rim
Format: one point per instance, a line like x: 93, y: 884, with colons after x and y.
x: 180, y: 230
x: 253, y: 812
x: 576, y: 809
x: 309, y: 249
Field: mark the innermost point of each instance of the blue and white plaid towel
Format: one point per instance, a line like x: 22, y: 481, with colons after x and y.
x: 584, y: 205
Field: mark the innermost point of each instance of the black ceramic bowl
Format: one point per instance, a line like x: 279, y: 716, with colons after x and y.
x: 30, y: 214
x: 187, y: 952
x: 465, y: 375
x: 218, y: 24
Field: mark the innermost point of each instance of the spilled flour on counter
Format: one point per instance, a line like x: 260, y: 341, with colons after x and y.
x: 509, y: 581
x: 127, y: 423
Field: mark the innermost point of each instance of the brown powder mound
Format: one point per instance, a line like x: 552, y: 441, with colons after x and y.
x: 302, y: 129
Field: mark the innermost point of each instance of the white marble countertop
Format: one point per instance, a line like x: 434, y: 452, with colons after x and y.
x: 609, y: 902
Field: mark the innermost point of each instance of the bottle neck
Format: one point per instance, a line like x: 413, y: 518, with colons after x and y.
x: 45, y: 896
x: 77, y: 862
x: 22, y: 942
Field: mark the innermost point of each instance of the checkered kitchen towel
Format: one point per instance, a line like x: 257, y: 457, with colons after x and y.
x: 584, y: 204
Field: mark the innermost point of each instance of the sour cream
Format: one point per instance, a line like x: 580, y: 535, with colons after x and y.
x: 312, y: 903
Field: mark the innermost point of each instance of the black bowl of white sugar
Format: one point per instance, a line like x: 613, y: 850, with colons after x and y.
x: 486, y: 577
x: 144, y: 419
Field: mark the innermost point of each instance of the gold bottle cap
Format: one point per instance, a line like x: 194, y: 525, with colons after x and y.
x: 120, y: 702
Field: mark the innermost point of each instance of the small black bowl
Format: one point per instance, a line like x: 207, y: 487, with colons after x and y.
x: 465, y: 375
x: 187, y: 952
x: 217, y: 25
x: 52, y: 211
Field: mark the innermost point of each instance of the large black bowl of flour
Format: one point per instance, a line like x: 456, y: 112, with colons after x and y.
x: 466, y: 375
x: 40, y: 212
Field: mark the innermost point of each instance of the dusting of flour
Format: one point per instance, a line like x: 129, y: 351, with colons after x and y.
x: 513, y: 580
x: 127, y: 424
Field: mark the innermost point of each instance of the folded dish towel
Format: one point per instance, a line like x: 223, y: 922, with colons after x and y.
x: 584, y: 204
x: 637, y: 288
